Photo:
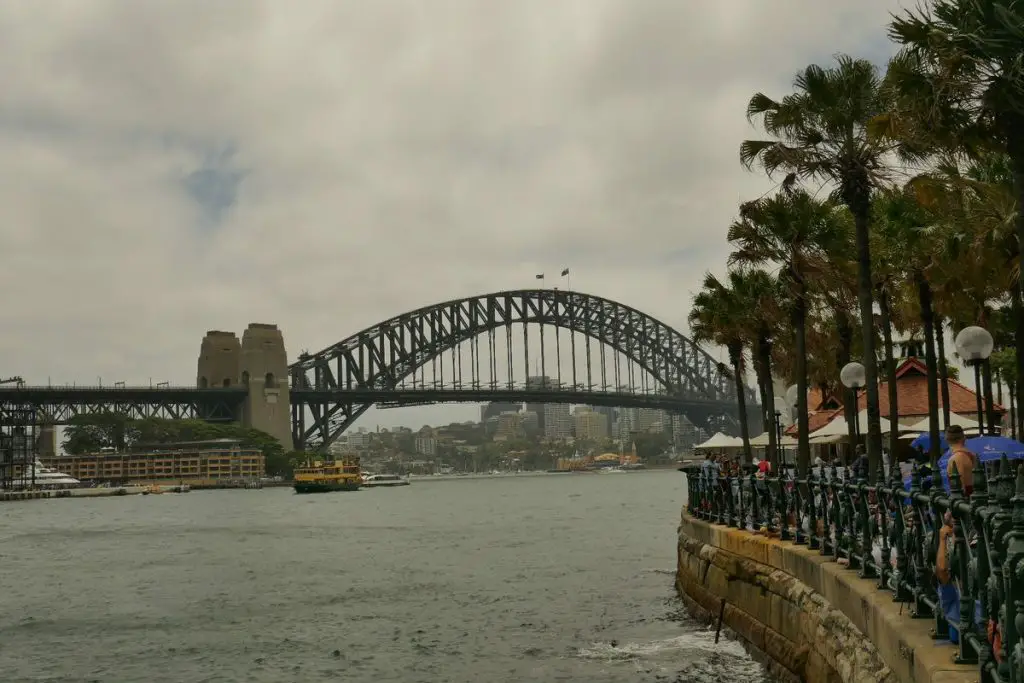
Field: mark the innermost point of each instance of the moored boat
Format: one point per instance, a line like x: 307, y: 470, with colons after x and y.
x: 37, y: 476
x: 384, y: 480
x: 325, y: 477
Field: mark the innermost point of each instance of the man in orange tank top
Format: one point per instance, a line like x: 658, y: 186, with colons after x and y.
x: 962, y: 459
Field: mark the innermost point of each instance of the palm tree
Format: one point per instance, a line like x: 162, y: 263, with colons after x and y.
x: 960, y: 84
x: 1003, y: 367
x: 760, y: 294
x: 820, y: 132
x: 795, y: 232
x: 718, y: 316
x: 837, y: 291
x: 911, y: 238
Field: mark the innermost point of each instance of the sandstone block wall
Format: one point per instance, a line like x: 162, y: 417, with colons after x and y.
x: 791, y: 628
x: 806, y: 617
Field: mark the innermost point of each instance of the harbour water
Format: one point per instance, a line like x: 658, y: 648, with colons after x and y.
x: 514, y: 578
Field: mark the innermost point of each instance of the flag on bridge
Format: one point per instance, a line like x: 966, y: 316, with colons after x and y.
x: 541, y: 276
x: 565, y: 272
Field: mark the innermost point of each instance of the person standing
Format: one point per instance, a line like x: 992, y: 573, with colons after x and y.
x: 962, y: 458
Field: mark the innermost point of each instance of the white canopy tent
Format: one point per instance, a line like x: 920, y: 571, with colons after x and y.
x: 838, y: 428
x: 720, y: 440
x: 955, y: 419
x: 761, y: 440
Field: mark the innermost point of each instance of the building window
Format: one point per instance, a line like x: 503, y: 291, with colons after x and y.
x: 203, y: 383
x: 245, y: 377
x: 270, y: 382
x: 227, y: 382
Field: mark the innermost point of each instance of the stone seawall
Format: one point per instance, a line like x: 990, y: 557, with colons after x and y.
x: 808, y: 619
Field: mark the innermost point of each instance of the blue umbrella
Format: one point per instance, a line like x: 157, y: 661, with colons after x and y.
x: 924, y: 442
x: 991, y: 448
x: 988, y: 449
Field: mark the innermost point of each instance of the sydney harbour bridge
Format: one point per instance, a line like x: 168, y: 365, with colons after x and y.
x: 534, y: 345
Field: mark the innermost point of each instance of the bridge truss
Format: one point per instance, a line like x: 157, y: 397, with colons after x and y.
x: 498, y: 347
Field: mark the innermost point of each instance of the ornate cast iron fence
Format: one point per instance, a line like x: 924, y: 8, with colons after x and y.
x: 890, y: 532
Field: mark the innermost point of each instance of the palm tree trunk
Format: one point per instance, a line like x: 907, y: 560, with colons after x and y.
x: 940, y: 343
x: 1015, y: 148
x: 890, y: 373
x: 1013, y: 410
x: 859, y: 202
x: 764, y: 350
x: 803, y: 450
x: 924, y: 297
x: 843, y: 356
x: 736, y: 358
x: 763, y: 393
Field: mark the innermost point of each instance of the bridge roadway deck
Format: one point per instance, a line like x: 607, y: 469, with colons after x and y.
x: 175, y: 401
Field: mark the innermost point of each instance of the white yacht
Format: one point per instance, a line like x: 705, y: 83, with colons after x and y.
x: 382, y: 480
x: 41, y: 477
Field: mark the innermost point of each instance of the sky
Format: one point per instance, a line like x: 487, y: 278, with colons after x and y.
x: 177, y: 167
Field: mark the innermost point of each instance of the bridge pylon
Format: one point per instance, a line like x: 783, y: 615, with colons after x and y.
x: 258, y: 362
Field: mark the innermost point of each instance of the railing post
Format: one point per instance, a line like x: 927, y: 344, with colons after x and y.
x: 866, y: 554
x: 898, y: 582
x: 803, y: 510
x: 755, y: 504
x: 742, y: 511
x: 836, y: 514
x: 783, y: 508
x: 730, y: 511
x: 960, y: 569
x: 827, y: 520
x: 883, y: 496
x: 914, y: 542
x: 1000, y: 526
x: 1013, y: 618
x: 982, y: 568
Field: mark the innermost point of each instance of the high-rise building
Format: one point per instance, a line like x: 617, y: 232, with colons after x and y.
x: 557, y: 421
x: 490, y: 410
x: 510, y: 426
x: 538, y: 382
x: 590, y: 424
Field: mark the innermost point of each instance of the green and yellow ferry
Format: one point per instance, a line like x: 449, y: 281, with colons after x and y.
x: 323, y: 477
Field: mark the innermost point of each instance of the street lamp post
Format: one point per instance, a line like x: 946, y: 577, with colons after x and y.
x: 974, y: 344
x: 854, y: 376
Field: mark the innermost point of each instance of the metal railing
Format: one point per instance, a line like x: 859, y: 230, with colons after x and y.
x: 890, y: 532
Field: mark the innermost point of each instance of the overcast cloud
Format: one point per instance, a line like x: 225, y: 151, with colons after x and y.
x: 178, y: 166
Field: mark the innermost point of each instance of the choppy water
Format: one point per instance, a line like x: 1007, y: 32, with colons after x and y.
x: 516, y: 578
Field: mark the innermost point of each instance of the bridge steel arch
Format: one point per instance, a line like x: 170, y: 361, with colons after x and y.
x: 381, y: 357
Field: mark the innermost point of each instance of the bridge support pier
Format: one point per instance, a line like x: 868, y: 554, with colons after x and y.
x: 260, y: 363
x: 265, y: 371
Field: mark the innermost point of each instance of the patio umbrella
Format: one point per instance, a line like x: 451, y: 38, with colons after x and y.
x: 987, y: 448
x: 924, y: 442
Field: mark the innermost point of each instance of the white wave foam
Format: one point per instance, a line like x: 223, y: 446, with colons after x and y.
x: 702, y: 642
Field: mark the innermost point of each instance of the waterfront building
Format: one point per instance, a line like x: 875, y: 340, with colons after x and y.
x: 197, y: 463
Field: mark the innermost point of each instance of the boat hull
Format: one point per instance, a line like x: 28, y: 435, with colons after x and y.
x: 383, y: 484
x: 325, y: 487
